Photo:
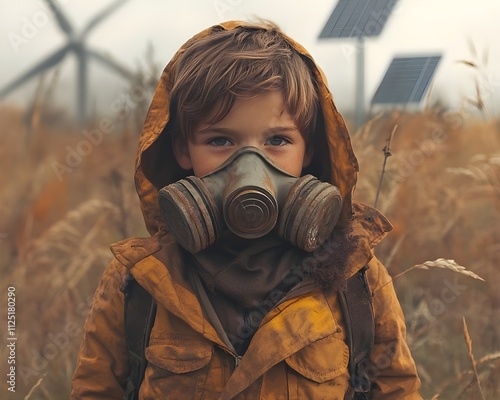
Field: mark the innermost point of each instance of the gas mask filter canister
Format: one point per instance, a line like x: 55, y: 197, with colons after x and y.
x: 250, y: 195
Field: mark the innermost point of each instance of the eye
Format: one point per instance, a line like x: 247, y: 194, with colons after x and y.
x: 219, y: 141
x: 278, y: 141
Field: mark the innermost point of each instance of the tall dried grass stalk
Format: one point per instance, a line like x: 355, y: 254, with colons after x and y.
x: 394, y: 251
x: 480, y: 65
x: 35, y: 386
x: 442, y: 263
x: 446, y: 264
x: 387, y: 154
x: 468, y: 342
x: 488, y: 359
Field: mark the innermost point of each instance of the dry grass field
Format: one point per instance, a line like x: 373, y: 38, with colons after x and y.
x: 64, y: 200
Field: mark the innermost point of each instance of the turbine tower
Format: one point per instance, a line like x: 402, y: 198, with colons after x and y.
x: 75, y: 44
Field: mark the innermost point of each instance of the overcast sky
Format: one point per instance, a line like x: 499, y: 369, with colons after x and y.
x: 415, y: 27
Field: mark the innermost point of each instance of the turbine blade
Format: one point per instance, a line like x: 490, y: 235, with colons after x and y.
x: 82, y: 88
x: 110, y: 63
x: 102, y: 15
x: 42, y: 66
x: 62, y: 20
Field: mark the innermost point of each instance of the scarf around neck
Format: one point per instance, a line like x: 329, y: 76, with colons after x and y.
x: 247, y: 270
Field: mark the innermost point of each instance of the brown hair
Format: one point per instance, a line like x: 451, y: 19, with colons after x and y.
x: 244, y: 61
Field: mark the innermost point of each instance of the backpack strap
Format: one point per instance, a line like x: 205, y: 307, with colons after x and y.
x: 140, y: 312
x: 356, y: 303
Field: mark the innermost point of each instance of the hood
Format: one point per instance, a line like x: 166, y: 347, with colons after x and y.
x: 333, y: 160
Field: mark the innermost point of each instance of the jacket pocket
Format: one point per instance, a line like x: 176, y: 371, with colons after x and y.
x: 319, y: 370
x: 322, y: 360
x: 178, y: 367
x: 180, y: 357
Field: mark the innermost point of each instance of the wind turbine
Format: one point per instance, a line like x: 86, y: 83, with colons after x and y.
x: 75, y: 44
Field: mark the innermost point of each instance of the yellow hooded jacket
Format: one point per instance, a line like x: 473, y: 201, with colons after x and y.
x: 299, y: 350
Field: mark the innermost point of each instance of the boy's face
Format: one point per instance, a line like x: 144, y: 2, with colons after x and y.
x: 260, y: 121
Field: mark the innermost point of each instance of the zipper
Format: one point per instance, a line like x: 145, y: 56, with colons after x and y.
x: 247, y: 325
x: 237, y: 360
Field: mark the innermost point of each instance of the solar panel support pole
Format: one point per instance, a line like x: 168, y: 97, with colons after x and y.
x: 360, y: 82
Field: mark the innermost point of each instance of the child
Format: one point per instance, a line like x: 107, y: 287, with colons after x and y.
x: 245, y: 174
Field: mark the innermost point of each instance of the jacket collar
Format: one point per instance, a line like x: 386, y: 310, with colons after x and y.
x: 156, y: 264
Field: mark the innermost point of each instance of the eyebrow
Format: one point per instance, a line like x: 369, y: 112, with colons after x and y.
x: 222, y: 130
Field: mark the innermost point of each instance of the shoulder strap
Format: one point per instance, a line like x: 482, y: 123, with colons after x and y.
x: 356, y: 303
x: 140, y: 312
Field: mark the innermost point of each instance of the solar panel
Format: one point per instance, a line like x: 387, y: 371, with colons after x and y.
x: 406, y: 80
x: 357, y: 18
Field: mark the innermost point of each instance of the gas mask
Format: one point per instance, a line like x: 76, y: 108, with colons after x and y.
x: 250, y: 195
